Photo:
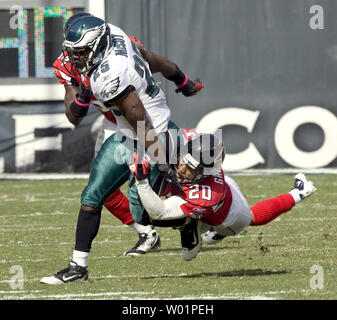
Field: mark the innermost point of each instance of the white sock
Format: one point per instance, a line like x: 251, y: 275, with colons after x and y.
x: 81, y: 258
x: 140, y: 228
x: 296, y: 195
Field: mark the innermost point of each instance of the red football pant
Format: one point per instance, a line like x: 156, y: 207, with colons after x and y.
x: 267, y: 210
x: 118, y: 205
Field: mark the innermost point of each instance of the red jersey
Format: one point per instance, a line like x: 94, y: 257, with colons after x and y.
x: 69, y: 75
x: 208, y: 201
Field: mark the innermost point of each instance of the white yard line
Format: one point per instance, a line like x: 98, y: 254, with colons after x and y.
x: 16, y: 227
x: 79, y: 295
x: 22, y: 244
x: 239, y: 236
x: 125, y: 296
x: 43, y: 176
x: 182, y: 275
x: 128, y: 295
x: 20, y: 291
x: 35, y: 214
x: 248, y: 172
x: 33, y: 199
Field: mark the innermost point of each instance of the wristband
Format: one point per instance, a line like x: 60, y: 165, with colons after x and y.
x: 183, y: 84
x: 78, y: 109
x: 81, y: 104
x: 178, y: 78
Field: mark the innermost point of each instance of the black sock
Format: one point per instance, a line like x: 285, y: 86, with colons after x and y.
x: 87, y: 228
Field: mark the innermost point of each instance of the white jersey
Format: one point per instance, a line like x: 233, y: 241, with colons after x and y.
x: 124, y: 66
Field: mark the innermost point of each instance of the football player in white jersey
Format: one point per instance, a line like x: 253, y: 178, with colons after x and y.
x: 212, y: 200
x: 75, y: 83
x: 121, y: 81
x: 70, y: 77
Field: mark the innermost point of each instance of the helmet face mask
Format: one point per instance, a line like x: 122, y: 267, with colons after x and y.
x: 78, y: 56
x: 87, y: 42
x: 187, y: 175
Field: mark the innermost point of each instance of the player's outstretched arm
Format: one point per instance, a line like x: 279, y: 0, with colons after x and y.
x: 171, y: 72
x: 157, y: 208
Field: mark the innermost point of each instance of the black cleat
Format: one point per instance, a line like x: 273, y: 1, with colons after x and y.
x: 73, y: 273
x: 190, y: 240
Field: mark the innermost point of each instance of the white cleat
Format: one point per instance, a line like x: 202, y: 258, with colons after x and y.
x: 212, y: 237
x: 303, y: 187
x: 147, y: 242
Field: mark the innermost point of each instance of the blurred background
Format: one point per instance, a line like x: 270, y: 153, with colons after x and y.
x: 269, y: 69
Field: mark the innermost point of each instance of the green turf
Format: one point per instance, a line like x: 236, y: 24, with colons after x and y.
x: 37, y: 227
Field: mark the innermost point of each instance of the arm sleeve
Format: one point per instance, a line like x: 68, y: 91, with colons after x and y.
x: 157, y: 208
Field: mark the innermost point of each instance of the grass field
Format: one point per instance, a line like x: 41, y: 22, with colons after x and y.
x: 275, y: 261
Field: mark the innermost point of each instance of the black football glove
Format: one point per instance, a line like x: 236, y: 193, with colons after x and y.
x: 170, y: 175
x: 191, y: 87
x: 84, y: 94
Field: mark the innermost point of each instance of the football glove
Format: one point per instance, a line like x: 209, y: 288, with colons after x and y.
x: 140, y: 170
x: 169, y: 174
x: 191, y: 87
x: 84, y: 94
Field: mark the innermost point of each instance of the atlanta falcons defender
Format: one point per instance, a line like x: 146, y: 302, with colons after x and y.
x: 214, y: 201
x: 75, y: 83
x: 121, y: 81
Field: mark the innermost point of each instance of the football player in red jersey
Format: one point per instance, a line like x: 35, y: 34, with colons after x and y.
x: 77, y: 90
x: 212, y: 200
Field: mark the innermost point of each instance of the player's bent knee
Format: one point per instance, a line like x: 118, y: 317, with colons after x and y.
x: 90, y: 209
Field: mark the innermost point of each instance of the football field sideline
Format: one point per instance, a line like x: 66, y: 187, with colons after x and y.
x: 247, y: 172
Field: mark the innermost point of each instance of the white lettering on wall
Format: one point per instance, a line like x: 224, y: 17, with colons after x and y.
x: 284, y: 137
x: 25, y: 140
x: 234, y: 116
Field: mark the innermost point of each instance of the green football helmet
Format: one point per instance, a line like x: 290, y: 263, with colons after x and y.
x: 73, y: 18
x: 87, y: 42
